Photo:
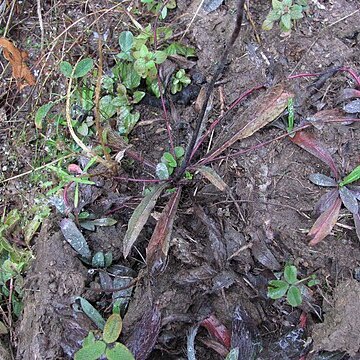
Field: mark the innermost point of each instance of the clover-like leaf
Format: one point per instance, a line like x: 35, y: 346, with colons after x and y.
x: 293, y: 296
x: 290, y: 274
x: 277, y: 289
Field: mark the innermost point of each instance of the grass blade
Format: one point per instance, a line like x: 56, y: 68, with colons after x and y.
x: 158, y: 248
x: 261, y: 112
x: 325, y: 222
x: 139, y: 218
x: 309, y: 143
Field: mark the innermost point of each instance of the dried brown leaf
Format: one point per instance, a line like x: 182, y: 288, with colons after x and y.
x: 16, y: 58
x: 139, y: 218
x: 325, y: 222
x: 213, y: 177
x: 265, y: 109
x: 158, y: 248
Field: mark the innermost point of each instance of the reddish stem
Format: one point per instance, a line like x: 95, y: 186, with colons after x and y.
x: 137, y: 180
x: 231, y: 107
x: 353, y: 74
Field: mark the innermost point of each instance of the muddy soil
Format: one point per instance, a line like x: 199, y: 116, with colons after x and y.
x: 262, y: 222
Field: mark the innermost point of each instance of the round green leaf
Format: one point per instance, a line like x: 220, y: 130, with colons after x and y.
x: 267, y: 24
x: 112, y: 328
x: 83, y: 67
x: 179, y: 151
x: 140, y: 67
x: 169, y: 159
x: 290, y: 274
x: 126, y: 40
x: 294, y: 296
x: 296, y: 12
x: 277, y: 289
x: 119, y: 351
x: 83, y: 129
x: 160, y: 57
x: 98, y: 260
x: 66, y: 68
x: 162, y: 171
x: 91, y: 352
x: 286, y: 21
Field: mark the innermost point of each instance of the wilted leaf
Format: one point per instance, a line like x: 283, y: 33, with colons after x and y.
x: 308, y: 142
x: 139, y: 218
x: 215, y: 237
x: 352, y: 107
x: 213, y: 177
x: 325, y: 222
x: 112, y: 328
x: 357, y: 224
x: 326, y: 201
x: 349, y: 200
x: 263, y: 255
x: 158, y: 248
x: 92, y: 313
x: 322, y: 180
x: 75, y: 238
x: 201, y: 273
x: 145, y: 334
x: 244, y: 335
x: 261, y: 112
x: 217, y: 330
x: 41, y: 114
x: 191, y: 353
x: 350, y: 94
x: 119, y: 352
x: 91, y: 352
x: 16, y: 58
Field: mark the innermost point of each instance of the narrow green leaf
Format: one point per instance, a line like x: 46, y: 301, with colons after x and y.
x: 290, y: 274
x: 41, y: 114
x: 277, y: 289
x: 66, y: 68
x: 112, y: 328
x: 83, y: 67
x: 352, y: 177
x: 91, y: 352
x: 92, y: 313
x: 294, y: 296
x: 119, y: 351
x: 140, y: 217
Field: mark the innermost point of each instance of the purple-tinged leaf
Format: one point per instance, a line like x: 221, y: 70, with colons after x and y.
x: 322, y: 180
x: 191, y: 353
x: 139, y: 218
x: 355, y: 190
x: 265, y: 109
x: 308, y: 142
x: 244, y: 335
x: 357, y: 224
x: 352, y: 107
x: 349, y: 200
x: 75, y: 238
x: 326, y: 201
x: 217, y: 330
x: 350, y: 94
x: 325, y: 222
x: 159, y: 244
x: 145, y: 334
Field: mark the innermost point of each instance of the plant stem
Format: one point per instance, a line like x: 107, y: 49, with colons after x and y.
x: 220, y: 68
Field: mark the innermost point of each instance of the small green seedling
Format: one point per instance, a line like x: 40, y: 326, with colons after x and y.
x: 179, y: 81
x: 169, y: 163
x: 289, y: 286
x: 95, y: 347
x: 290, y: 120
x: 285, y: 12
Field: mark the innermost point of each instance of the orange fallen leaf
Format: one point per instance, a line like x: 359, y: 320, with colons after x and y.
x: 20, y: 71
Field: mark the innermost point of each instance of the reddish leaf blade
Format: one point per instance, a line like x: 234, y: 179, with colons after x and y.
x: 309, y: 143
x: 350, y: 94
x: 158, y: 248
x: 326, y: 201
x: 325, y: 222
x: 261, y: 112
x: 145, y: 334
x: 139, y: 218
x: 357, y: 224
x: 217, y: 330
